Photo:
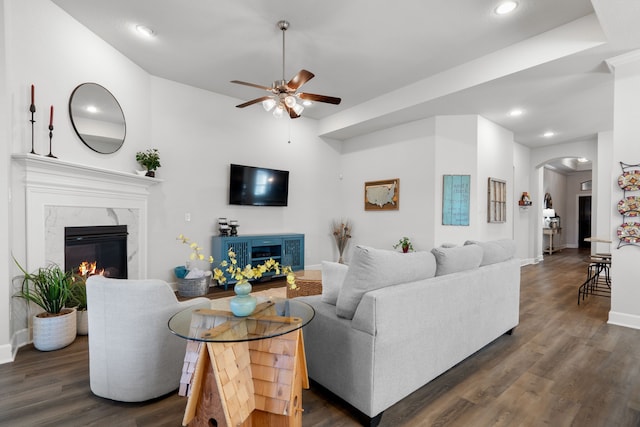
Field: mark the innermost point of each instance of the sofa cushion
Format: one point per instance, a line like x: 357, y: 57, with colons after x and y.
x: 495, y: 251
x: 376, y: 268
x: 333, y: 275
x: 461, y: 258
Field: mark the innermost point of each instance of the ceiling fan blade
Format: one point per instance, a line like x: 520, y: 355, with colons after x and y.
x: 253, y: 101
x: 299, y: 79
x: 251, y: 84
x: 320, y: 98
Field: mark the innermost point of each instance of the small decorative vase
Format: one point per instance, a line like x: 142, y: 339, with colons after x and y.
x: 405, y: 249
x: 243, y: 303
x: 151, y: 174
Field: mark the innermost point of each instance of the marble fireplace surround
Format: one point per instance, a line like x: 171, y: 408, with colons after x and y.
x: 58, y: 194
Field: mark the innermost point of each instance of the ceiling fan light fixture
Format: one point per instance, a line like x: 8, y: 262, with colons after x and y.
x: 298, y: 109
x: 278, y: 112
x: 268, y: 104
x: 290, y: 101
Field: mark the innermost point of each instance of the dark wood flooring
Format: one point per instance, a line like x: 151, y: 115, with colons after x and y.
x: 563, y: 366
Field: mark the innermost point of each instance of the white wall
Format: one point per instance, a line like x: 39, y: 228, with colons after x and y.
x: 625, y: 295
x: 457, y: 154
x: 495, y: 153
x: 405, y: 152
x: 522, y: 218
x: 6, y: 349
x: 462, y: 145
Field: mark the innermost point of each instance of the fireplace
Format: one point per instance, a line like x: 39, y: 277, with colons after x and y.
x: 104, y: 245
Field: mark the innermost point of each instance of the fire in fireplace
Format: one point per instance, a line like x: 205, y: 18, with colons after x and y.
x: 104, y: 245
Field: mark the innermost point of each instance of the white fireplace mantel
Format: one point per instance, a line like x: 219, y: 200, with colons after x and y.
x: 57, y: 193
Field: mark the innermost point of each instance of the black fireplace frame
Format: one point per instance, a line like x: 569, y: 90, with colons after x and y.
x: 95, y: 234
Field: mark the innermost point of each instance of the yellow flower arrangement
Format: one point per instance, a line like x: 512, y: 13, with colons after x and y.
x: 240, y: 274
x: 246, y: 273
x: 196, y: 255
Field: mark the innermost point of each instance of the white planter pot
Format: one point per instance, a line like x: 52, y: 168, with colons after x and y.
x: 53, y: 333
x: 82, y: 324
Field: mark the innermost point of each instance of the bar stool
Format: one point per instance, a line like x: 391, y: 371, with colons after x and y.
x: 598, y: 280
x: 595, y: 283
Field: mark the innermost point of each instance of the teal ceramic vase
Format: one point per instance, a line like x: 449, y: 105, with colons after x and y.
x: 243, y: 303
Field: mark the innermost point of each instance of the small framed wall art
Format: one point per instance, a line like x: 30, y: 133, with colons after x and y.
x: 382, y: 195
x: 497, y: 200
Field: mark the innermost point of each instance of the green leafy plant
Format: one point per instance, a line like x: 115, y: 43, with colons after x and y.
x: 149, y: 159
x: 48, y: 287
x: 405, y: 244
x: 78, y: 293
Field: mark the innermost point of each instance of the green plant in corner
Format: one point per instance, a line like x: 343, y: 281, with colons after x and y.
x: 48, y: 288
x: 405, y: 244
x: 149, y: 159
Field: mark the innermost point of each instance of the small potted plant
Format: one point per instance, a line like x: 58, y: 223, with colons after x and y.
x: 49, y: 288
x: 150, y: 160
x: 405, y: 244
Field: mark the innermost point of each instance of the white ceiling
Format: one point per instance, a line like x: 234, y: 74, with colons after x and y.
x: 391, y: 62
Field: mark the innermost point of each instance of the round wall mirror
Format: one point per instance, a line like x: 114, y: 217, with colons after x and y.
x: 97, y: 118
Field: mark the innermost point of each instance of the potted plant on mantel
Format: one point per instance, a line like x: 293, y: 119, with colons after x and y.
x: 49, y: 288
x: 150, y: 160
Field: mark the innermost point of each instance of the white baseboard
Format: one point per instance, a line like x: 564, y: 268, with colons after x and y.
x: 527, y: 261
x: 8, y: 351
x: 624, y: 319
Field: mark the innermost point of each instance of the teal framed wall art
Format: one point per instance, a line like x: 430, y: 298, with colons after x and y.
x: 456, y: 199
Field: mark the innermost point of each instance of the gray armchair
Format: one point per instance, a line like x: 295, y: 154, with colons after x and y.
x: 133, y: 356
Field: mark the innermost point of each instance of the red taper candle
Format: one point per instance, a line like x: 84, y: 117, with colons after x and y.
x: 51, y: 117
x: 32, y: 97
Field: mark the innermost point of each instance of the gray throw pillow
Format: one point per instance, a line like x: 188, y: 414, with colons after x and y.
x: 377, y: 268
x: 333, y: 275
x: 495, y: 251
x: 461, y: 258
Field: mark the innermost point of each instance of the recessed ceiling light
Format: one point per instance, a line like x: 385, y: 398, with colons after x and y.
x: 515, y: 112
x: 506, y: 7
x: 582, y: 160
x: 548, y: 134
x: 145, y: 31
x: 307, y: 103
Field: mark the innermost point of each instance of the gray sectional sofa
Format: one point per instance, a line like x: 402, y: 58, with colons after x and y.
x: 390, y: 322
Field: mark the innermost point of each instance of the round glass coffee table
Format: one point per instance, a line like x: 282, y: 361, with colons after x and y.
x: 244, y: 367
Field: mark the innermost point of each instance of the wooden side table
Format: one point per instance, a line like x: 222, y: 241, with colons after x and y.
x: 309, y: 282
x: 249, y: 371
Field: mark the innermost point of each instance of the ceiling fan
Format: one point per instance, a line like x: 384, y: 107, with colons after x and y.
x: 284, y: 94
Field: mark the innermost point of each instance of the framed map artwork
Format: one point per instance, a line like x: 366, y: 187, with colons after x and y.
x: 455, y: 199
x: 382, y: 195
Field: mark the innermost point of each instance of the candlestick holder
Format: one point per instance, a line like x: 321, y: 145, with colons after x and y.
x: 50, y: 137
x: 32, y: 108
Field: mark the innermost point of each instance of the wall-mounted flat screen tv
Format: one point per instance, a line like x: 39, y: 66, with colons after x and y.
x: 250, y: 185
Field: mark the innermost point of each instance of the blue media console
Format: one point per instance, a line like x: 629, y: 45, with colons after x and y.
x: 287, y: 249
